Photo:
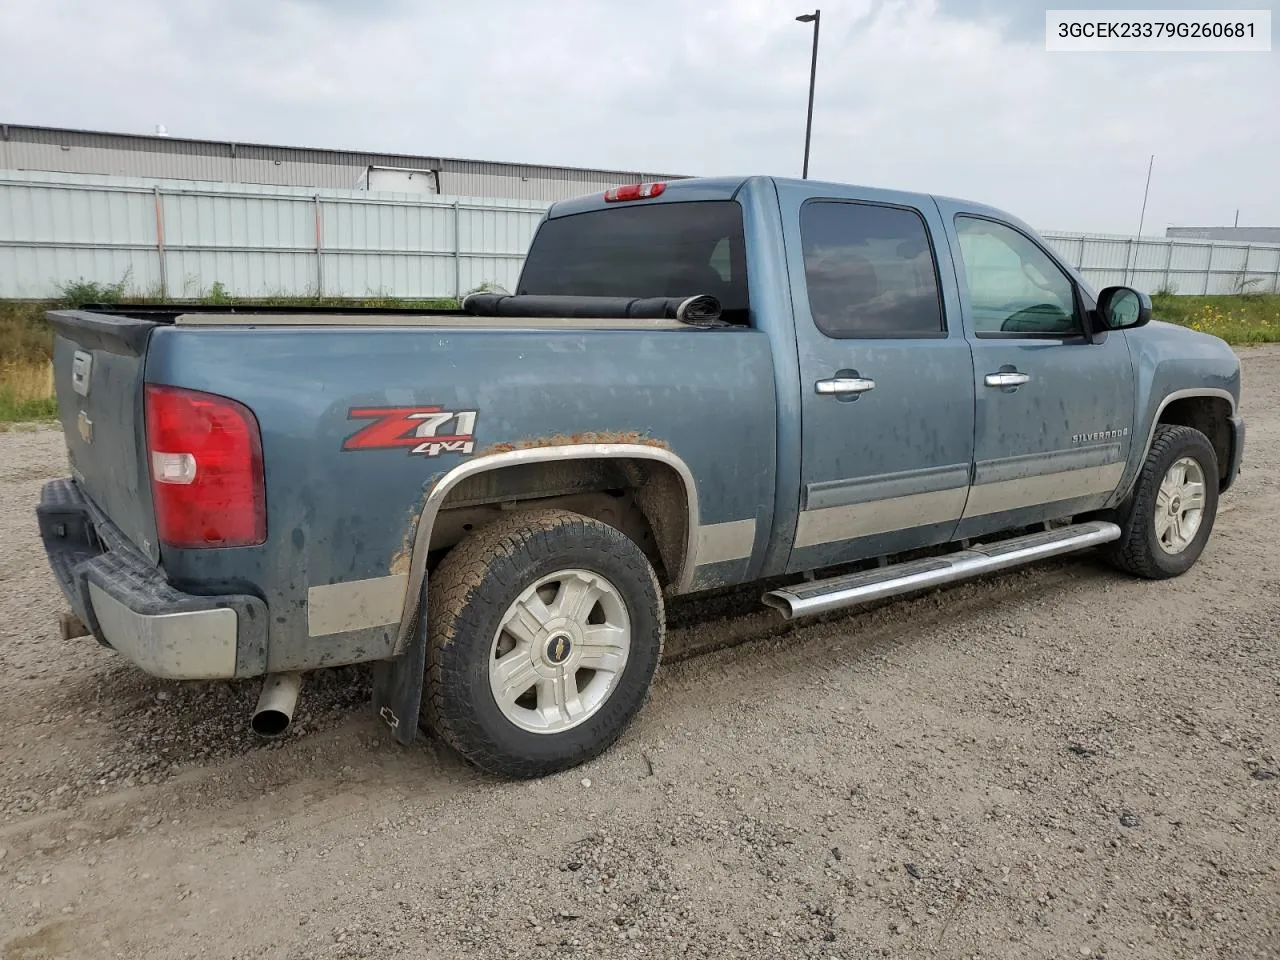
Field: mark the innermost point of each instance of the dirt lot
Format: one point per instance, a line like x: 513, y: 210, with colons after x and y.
x: 1060, y: 762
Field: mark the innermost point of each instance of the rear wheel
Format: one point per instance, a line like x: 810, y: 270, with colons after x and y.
x: 1168, y: 519
x: 545, y: 630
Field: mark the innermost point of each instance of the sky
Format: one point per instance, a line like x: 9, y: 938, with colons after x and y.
x: 955, y: 97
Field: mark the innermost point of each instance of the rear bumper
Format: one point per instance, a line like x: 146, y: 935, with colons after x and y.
x: 1237, y: 452
x: 132, y: 608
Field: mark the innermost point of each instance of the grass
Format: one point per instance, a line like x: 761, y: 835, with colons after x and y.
x: 25, y: 336
x: 26, y: 392
x: 1243, y: 318
x: 26, y: 373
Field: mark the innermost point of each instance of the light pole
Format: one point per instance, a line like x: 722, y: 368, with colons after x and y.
x: 816, y: 19
x: 1142, y: 216
x: 1145, y: 190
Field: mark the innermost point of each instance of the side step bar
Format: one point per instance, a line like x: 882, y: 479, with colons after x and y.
x: 819, y: 596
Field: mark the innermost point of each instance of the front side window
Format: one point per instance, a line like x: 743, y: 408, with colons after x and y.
x: 869, y: 270
x: 1013, y: 285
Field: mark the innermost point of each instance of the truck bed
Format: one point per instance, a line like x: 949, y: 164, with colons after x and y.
x: 330, y: 390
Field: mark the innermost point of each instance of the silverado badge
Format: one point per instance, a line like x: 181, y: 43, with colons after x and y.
x: 1100, y: 435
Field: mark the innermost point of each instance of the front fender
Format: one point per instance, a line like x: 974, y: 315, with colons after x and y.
x: 1172, y: 363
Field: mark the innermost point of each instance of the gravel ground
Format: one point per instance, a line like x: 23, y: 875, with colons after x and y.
x: 1058, y: 762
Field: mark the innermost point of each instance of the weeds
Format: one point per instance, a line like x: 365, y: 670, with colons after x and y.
x: 26, y: 392
x: 25, y: 337
x: 1246, y: 318
x: 77, y: 293
x: 217, y: 295
x: 1247, y: 288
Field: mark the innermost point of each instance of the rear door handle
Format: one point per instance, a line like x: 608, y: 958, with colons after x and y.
x: 1006, y: 379
x: 838, y: 386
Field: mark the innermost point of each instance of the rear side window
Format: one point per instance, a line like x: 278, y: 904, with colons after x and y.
x: 652, y: 250
x: 870, y: 271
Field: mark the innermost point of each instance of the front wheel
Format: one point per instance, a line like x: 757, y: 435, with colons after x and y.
x: 1168, y: 519
x: 544, y: 633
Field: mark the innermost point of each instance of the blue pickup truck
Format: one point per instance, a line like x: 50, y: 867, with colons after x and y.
x: 838, y: 392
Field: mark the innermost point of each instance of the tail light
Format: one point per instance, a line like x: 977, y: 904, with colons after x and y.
x: 634, y: 191
x: 206, y: 469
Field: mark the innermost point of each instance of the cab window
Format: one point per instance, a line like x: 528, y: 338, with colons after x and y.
x: 869, y: 270
x: 669, y: 249
x: 1014, y: 288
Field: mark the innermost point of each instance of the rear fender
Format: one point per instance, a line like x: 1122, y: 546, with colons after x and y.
x: 397, y: 683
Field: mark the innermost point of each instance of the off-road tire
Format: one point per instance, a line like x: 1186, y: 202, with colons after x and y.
x: 467, y: 596
x: 1138, y: 551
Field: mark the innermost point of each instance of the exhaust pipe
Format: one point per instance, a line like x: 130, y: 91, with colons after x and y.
x: 279, y: 696
x: 70, y: 626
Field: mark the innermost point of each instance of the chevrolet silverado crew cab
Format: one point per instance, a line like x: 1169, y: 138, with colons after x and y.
x: 841, y: 393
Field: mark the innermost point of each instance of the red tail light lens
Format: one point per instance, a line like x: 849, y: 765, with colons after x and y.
x: 206, y: 469
x: 634, y: 191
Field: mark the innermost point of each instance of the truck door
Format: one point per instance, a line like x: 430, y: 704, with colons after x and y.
x: 1054, y: 413
x: 886, y: 376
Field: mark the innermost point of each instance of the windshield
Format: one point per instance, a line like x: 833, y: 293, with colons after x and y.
x: 654, y: 250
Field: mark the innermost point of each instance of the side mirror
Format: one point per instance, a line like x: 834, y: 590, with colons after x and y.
x: 1123, y: 308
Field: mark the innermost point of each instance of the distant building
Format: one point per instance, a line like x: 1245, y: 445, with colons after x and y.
x: 1236, y: 234
x: 176, y: 158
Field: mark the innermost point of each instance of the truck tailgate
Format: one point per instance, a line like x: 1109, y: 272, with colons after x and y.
x: 98, y: 366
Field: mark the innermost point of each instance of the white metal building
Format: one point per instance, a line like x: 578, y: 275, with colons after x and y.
x: 1236, y: 234
x: 174, y: 158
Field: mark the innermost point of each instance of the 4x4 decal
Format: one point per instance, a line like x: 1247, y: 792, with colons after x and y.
x: 419, y: 428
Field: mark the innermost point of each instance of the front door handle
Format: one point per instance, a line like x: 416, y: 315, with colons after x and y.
x: 839, y: 386
x: 1006, y: 379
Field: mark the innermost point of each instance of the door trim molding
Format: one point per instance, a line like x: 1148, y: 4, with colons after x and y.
x: 1042, y: 488
x: 884, y: 486
x: 868, y: 518
x: 1028, y: 465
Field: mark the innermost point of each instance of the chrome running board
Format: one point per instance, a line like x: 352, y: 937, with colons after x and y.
x: 819, y: 596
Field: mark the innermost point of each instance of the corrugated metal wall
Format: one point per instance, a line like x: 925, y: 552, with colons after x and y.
x: 123, y: 155
x: 1236, y: 234
x: 1201, y: 267
x: 177, y: 238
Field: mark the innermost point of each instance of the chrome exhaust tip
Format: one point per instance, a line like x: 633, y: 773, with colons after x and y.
x: 276, y: 703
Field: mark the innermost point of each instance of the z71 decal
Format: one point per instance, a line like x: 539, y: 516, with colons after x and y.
x: 422, y: 429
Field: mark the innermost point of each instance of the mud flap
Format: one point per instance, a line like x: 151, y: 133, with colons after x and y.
x: 397, y: 685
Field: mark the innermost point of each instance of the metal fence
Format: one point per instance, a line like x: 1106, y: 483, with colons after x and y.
x: 176, y: 238
x: 179, y: 239
x: 1182, y: 266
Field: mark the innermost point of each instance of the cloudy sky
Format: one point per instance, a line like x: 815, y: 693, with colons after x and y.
x: 945, y: 96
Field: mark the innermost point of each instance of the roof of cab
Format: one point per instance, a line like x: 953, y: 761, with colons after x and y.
x: 725, y: 188
x: 693, y: 188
